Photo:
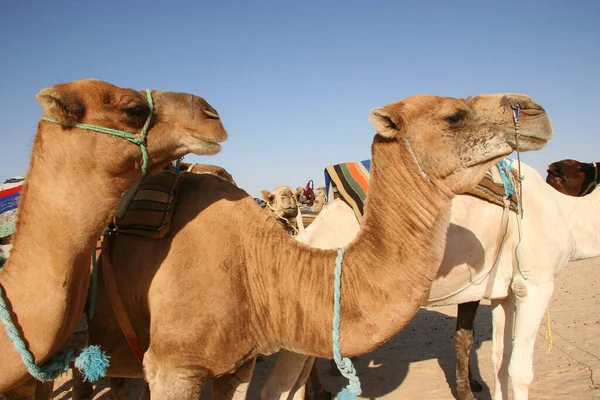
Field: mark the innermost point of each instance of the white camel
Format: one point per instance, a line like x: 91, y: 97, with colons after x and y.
x: 483, y: 260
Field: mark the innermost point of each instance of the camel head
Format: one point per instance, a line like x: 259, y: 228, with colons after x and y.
x: 283, y: 201
x: 180, y: 123
x: 454, y: 141
x: 572, y: 177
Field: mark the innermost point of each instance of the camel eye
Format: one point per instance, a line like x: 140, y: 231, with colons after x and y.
x: 211, y: 112
x: 456, y: 117
x: 137, y: 110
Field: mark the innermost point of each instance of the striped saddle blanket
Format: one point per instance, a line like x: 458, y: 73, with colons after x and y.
x: 350, y: 182
x: 10, y: 193
x: 149, y: 212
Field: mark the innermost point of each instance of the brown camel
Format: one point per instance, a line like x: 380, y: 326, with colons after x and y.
x: 572, y: 177
x: 283, y: 203
x: 72, y: 205
x: 226, y: 284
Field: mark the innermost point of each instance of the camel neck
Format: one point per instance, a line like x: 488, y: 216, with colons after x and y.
x: 62, y: 211
x: 387, y: 269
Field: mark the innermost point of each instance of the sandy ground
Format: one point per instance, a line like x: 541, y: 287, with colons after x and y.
x: 419, y: 361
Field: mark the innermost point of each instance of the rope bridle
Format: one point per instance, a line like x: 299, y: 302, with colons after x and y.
x: 284, y: 219
x: 138, y: 140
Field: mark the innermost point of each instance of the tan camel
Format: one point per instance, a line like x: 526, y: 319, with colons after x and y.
x: 71, y: 205
x: 118, y: 386
x: 226, y: 284
x: 283, y: 203
x: 319, y: 200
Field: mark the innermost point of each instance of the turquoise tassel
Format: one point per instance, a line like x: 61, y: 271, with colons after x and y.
x: 92, y: 362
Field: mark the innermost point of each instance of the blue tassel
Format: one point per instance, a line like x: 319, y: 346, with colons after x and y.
x: 345, y: 394
x: 92, y: 362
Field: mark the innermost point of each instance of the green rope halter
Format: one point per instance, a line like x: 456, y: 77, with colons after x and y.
x: 130, y: 137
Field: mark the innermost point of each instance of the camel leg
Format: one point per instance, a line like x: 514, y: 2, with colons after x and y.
x: 118, y: 388
x: 234, y: 386
x: 43, y: 390
x: 529, y: 313
x: 145, y: 393
x: 172, y: 382
x: 463, y: 341
x: 82, y: 390
x: 317, y: 388
x: 503, y: 312
x: 284, y: 376
x: 298, y: 392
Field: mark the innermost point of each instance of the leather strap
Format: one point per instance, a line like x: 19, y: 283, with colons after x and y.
x: 116, y: 303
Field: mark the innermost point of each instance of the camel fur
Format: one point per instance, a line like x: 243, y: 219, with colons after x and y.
x: 573, y: 177
x: 226, y: 284
x: 64, y: 208
x: 519, y: 283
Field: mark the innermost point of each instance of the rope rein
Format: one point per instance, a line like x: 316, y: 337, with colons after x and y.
x: 91, y: 361
x: 344, y: 364
x: 285, y: 220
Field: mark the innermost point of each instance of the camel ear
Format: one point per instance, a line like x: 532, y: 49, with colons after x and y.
x: 61, y: 104
x: 385, y: 124
x: 265, y: 195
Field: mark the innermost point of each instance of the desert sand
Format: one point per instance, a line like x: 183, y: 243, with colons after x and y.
x: 418, y: 363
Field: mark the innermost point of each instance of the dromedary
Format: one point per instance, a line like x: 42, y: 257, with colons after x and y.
x: 474, y: 268
x: 573, y: 177
x: 118, y: 386
x: 64, y: 208
x: 226, y: 283
x: 283, y: 203
x: 319, y: 200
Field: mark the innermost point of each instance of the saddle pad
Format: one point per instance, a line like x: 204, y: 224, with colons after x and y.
x: 491, y: 190
x: 149, y: 213
x: 351, y: 179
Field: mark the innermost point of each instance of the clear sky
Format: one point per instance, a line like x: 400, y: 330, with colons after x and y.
x: 294, y: 81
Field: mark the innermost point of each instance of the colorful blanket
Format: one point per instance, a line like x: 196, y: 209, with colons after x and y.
x: 10, y: 193
x: 351, y: 182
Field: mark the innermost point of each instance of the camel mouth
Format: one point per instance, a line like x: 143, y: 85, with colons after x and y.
x: 212, y: 147
x: 527, y: 143
x: 289, y: 212
x: 555, y: 175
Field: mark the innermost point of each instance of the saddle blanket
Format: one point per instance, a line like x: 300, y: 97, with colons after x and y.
x: 350, y: 182
x: 10, y: 193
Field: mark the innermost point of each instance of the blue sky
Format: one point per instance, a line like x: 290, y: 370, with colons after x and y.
x: 294, y: 81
